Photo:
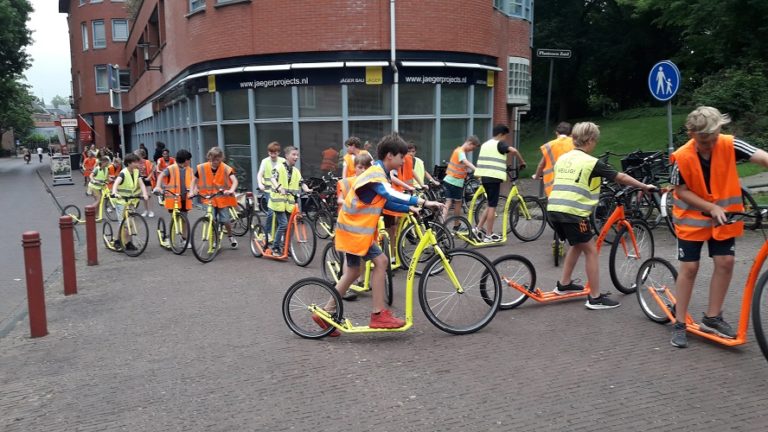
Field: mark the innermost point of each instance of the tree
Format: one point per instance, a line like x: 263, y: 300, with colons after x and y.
x: 14, y: 37
x: 59, y: 100
x: 15, y: 107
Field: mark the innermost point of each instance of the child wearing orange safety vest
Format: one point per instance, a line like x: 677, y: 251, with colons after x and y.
x: 214, y: 176
x: 456, y: 172
x: 357, y: 227
x: 179, y: 179
x: 550, y: 153
x: 88, y: 165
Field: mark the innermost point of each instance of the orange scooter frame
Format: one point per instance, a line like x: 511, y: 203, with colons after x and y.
x: 304, y: 233
x: 522, y: 264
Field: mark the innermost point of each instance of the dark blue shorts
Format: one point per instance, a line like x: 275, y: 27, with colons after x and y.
x: 690, y: 251
x: 373, y: 252
x: 492, y: 190
x: 452, y: 192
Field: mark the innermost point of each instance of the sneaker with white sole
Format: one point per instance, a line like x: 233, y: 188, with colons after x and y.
x: 679, y: 338
x: 232, y: 243
x: 151, y: 214
x: 601, y: 302
x: 487, y: 239
x: 568, y: 288
x: 144, y: 213
x: 718, y: 326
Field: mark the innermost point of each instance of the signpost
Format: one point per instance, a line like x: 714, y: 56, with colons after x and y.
x: 61, y: 170
x: 115, y: 101
x: 663, y: 82
x: 551, y: 54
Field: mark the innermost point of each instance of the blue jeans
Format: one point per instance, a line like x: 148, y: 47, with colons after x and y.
x: 282, y: 224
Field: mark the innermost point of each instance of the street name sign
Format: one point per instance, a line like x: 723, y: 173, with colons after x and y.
x: 553, y: 53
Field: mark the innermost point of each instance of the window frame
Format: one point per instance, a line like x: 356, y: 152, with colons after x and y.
x: 517, y: 82
x: 124, y: 20
x: 507, y: 7
x: 192, y: 8
x: 84, y: 31
x: 104, y: 33
x: 96, y: 69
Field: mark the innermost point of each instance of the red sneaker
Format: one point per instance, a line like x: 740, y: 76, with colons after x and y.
x: 384, y: 319
x: 324, y: 325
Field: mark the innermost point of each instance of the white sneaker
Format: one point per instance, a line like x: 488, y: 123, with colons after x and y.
x: 233, y: 243
x: 144, y: 213
x: 151, y: 214
x: 189, y: 245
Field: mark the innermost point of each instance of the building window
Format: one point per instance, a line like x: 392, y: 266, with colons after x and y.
x: 79, y: 85
x: 96, y: 1
x: 99, y: 37
x: 519, y: 83
x: 102, y: 79
x: 84, y: 30
x: 195, y: 5
x: 515, y: 8
x: 82, y: 2
x: 125, y: 79
x: 119, y: 30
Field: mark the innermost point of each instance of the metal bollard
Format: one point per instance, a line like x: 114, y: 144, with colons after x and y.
x: 66, y: 227
x: 90, y: 234
x: 33, y: 267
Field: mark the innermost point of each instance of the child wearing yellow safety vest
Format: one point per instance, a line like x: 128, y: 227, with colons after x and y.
x: 285, y: 188
x: 267, y: 170
x: 128, y: 184
x: 99, y: 177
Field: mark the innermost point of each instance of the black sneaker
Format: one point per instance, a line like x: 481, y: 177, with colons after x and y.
x: 130, y: 247
x: 679, y: 338
x: 351, y: 295
x: 601, y: 302
x: 569, y: 288
x: 718, y: 326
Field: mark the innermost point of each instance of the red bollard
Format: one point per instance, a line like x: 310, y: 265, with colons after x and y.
x: 68, y: 255
x: 90, y: 234
x: 33, y: 267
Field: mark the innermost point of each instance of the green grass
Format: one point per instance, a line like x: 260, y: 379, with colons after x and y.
x: 617, y: 135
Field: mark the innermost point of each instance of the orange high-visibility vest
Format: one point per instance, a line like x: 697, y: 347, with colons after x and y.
x: 344, y: 186
x: 88, y: 165
x: 405, y: 172
x: 552, y: 152
x: 330, y: 160
x: 209, y: 183
x: 349, y: 160
x: 690, y: 224
x: 357, y: 224
x: 172, y: 183
x: 146, y: 171
x: 455, y: 168
x: 162, y: 164
x: 113, y: 170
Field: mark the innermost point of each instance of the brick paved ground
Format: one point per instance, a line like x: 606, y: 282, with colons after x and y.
x: 163, y: 343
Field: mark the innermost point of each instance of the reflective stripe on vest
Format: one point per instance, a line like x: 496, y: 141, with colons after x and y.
x: 491, y: 163
x: 267, y: 175
x: 573, y: 192
x: 284, y: 202
x: 455, y: 168
x: 357, y: 225
x: 552, y: 152
x: 724, y: 191
x: 173, y: 184
x: 210, y: 183
x: 100, y: 177
x: 129, y: 186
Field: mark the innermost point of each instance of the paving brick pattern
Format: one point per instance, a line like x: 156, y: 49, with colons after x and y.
x: 163, y: 343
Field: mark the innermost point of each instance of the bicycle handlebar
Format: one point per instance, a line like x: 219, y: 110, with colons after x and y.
x: 734, y: 217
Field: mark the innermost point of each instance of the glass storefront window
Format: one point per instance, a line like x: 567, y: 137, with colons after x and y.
x: 481, y: 129
x: 273, y: 102
x: 452, y: 134
x: 192, y: 111
x: 370, y: 131
x: 422, y: 133
x: 454, y: 99
x: 210, y: 138
x: 320, y: 101
x: 366, y: 100
x: 316, y: 137
x: 266, y: 133
x: 234, y: 104
x: 417, y: 99
x: 208, y: 107
x: 482, y: 96
x: 237, y: 149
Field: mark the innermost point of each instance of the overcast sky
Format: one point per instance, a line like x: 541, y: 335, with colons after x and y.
x: 49, y: 74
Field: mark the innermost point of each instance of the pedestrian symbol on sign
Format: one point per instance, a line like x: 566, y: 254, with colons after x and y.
x: 664, y: 80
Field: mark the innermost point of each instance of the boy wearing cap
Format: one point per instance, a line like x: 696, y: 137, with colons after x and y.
x: 701, y: 203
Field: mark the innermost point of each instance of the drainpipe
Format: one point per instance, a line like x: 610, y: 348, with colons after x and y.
x: 395, y: 85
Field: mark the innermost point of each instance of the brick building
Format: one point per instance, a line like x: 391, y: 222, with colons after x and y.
x: 240, y: 73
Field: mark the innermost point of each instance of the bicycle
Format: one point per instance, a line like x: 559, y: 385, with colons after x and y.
x: 300, y: 239
x: 524, y: 216
x: 246, y: 212
x: 634, y: 243
x: 656, y: 278
x: 208, y: 233
x: 439, y: 297
x: 106, y: 207
x: 179, y: 227
x: 133, y: 230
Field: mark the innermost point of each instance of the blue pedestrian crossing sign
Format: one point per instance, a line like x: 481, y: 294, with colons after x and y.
x: 664, y: 80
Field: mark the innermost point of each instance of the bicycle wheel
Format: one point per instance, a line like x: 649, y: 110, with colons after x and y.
x: 750, y: 206
x: 258, y: 240
x: 240, y: 225
x: 388, y: 285
x: 108, y: 237
x: 527, y: 224
x: 460, y: 312
x: 624, y: 260
x: 205, y: 239
x: 109, y: 210
x: 303, y: 242
x: 606, y: 204
x: 409, y: 240
x: 667, y: 202
x: 179, y: 235
x: 656, y: 275
x: 332, y: 264
x: 72, y: 211
x: 297, y: 302
x: 760, y: 313
x: 461, y: 230
x: 482, y: 204
x: 134, y: 234
x: 515, y: 272
x: 323, y: 224
x: 162, y: 234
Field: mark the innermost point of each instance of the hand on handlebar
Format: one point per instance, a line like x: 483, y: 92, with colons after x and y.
x: 718, y: 214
